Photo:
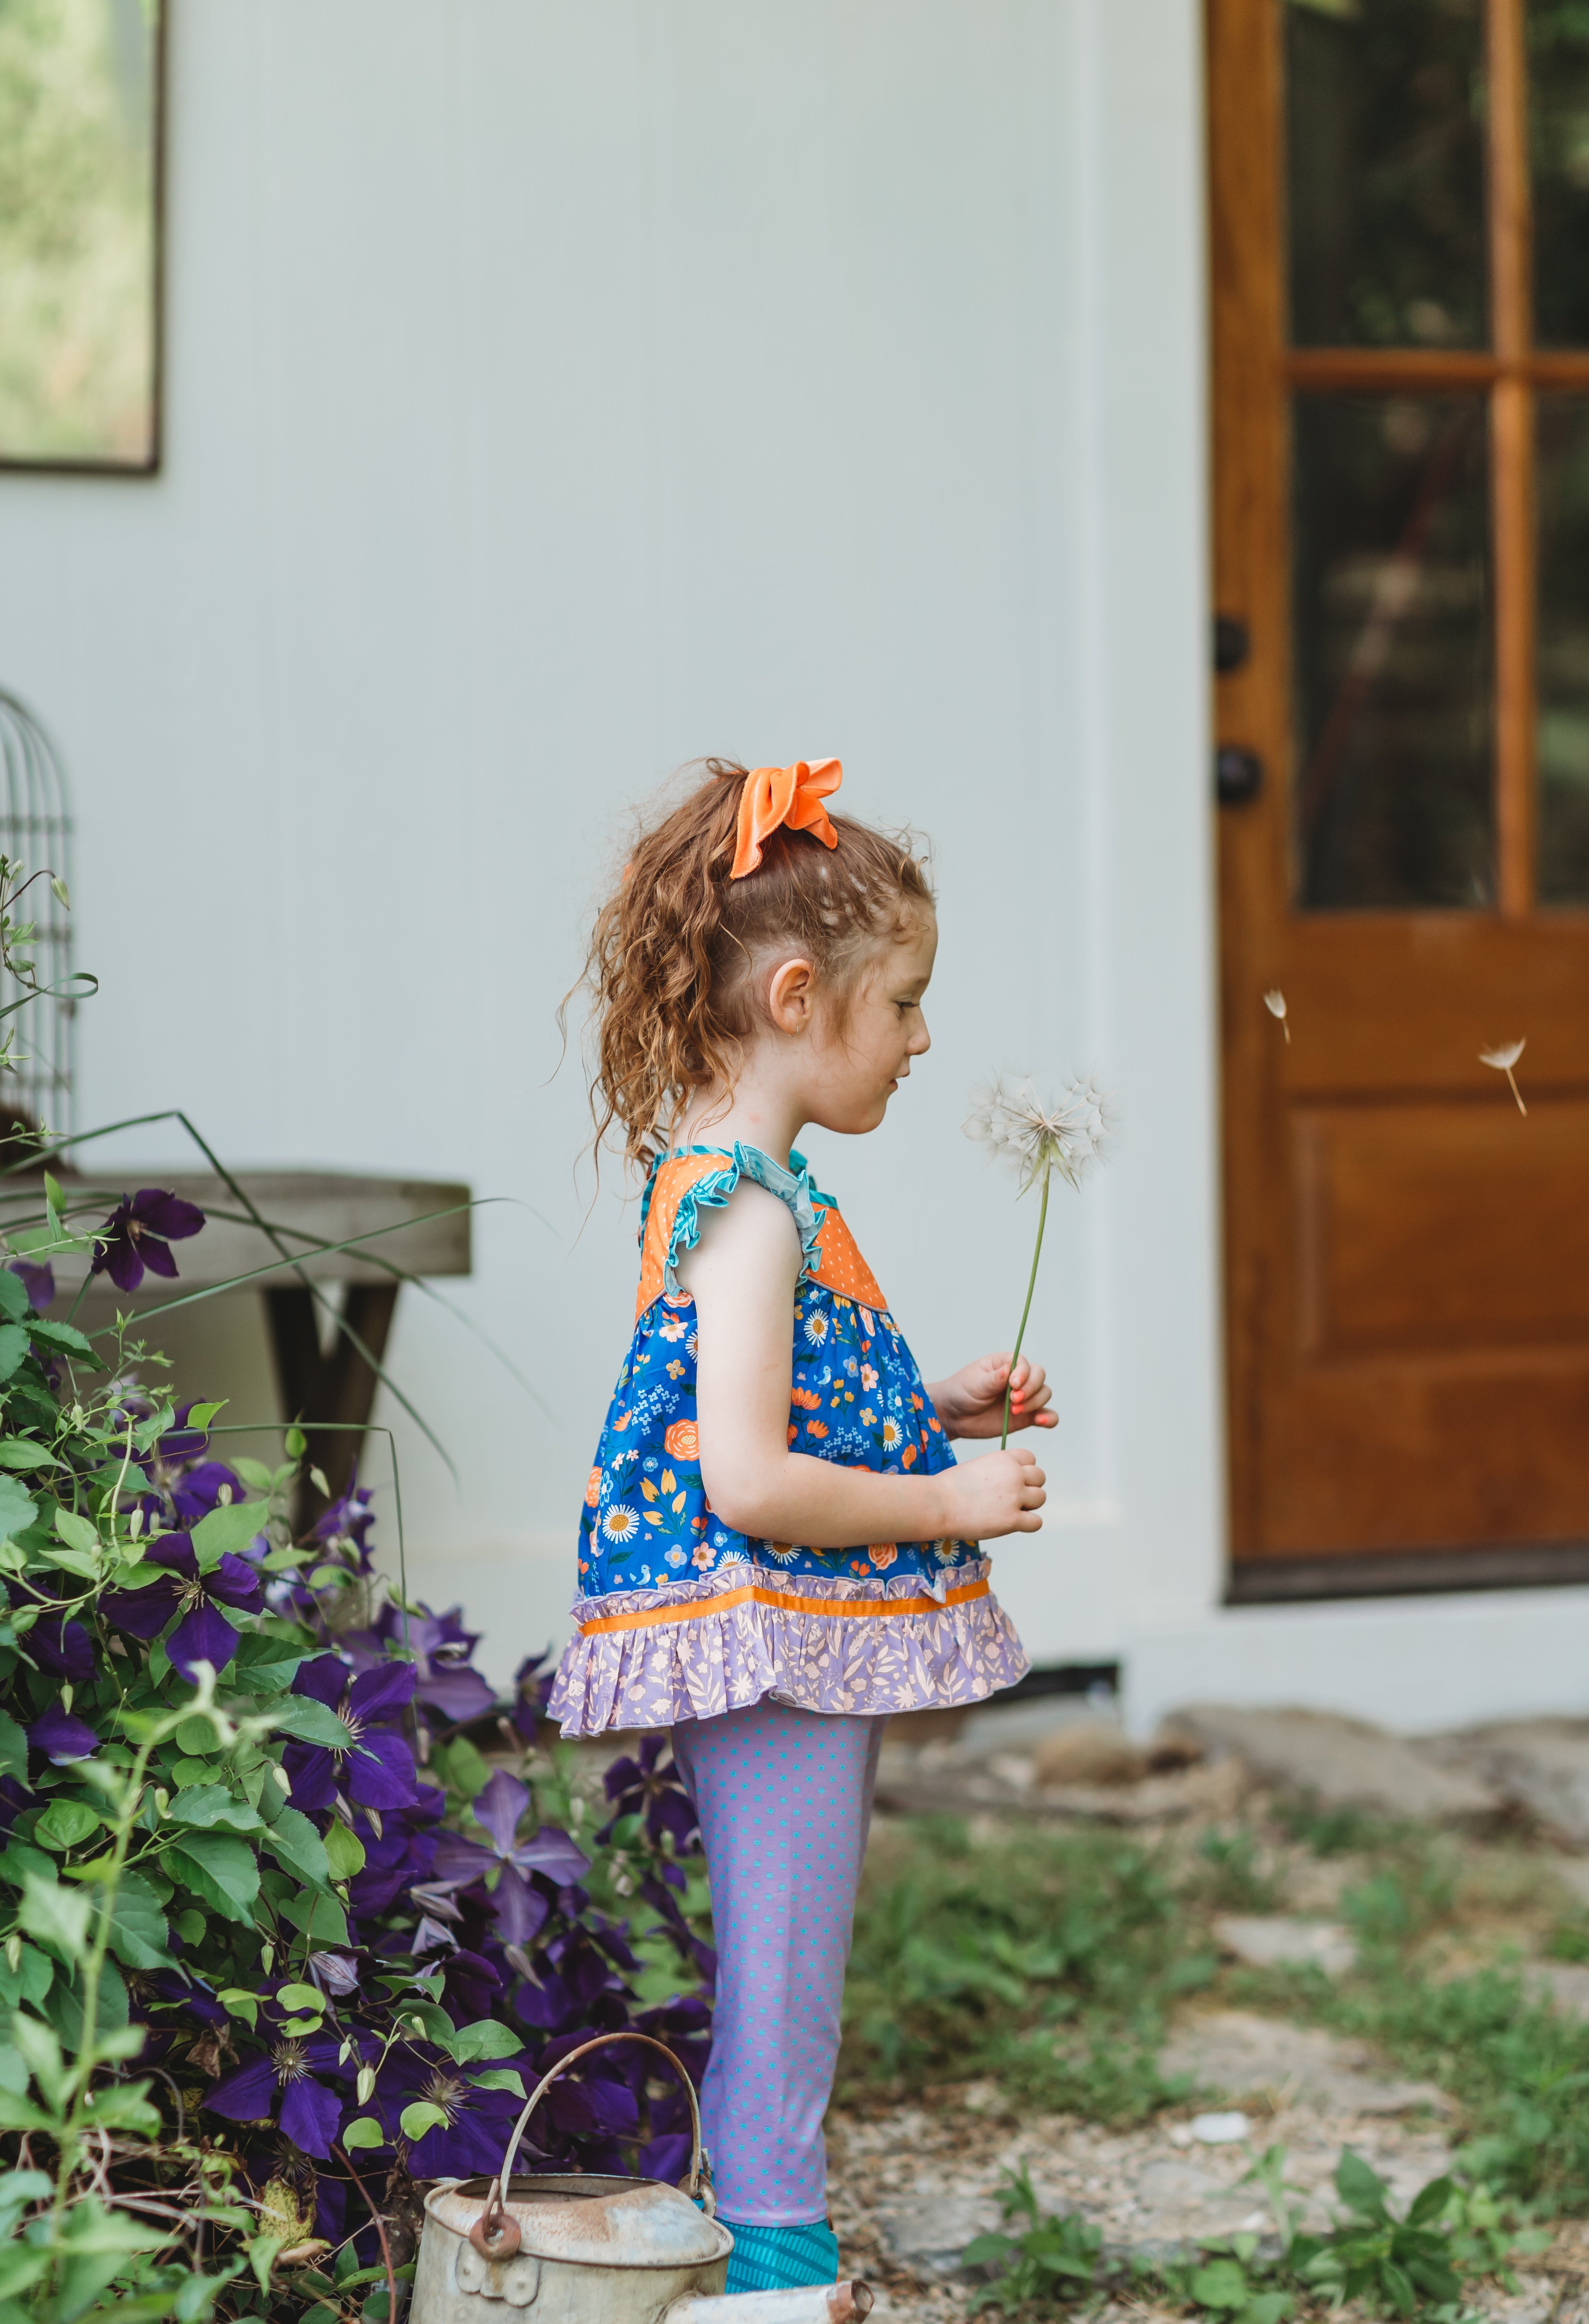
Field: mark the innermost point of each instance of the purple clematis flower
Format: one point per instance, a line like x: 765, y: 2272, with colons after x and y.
x: 61, y: 1738
x: 475, y: 2134
x: 640, y: 1787
x: 139, y: 1234
x: 440, y: 1648
x: 310, y: 2116
x: 520, y: 1910
x: 63, y: 1648
x: 349, y: 1518
x: 38, y: 1282
x: 531, y: 1685
x: 204, y: 1633
x: 378, y: 1770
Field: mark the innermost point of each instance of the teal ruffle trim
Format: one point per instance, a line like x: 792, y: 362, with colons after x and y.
x: 792, y: 1186
x: 782, y: 2259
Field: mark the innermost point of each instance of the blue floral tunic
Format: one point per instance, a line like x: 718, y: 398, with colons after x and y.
x: 677, y: 1615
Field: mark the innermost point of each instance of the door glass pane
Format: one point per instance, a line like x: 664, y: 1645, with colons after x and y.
x: 1558, y: 105
x: 1393, y: 792
x: 1383, y: 102
x: 1564, y: 649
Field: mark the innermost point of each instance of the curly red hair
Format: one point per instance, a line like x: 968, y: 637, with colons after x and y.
x: 679, y: 952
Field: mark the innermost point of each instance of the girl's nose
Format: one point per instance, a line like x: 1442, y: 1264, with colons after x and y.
x: 920, y: 1041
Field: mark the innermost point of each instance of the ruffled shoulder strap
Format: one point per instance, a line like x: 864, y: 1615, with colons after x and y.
x: 682, y: 1185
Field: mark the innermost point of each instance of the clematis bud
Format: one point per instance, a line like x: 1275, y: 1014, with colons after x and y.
x: 13, y: 1952
x: 281, y: 1779
x: 365, y: 2085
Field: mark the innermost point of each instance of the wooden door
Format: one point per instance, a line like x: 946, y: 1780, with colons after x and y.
x: 1400, y: 251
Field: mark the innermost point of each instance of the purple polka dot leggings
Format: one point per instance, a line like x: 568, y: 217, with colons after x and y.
x: 784, y: 1798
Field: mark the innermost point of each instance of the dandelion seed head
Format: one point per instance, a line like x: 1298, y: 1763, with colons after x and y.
x: 1034, y: 1134
x: 1503, y: 1056
x: 1275, y: 1002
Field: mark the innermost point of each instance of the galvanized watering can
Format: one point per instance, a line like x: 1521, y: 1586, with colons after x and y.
x: 585, y: 2249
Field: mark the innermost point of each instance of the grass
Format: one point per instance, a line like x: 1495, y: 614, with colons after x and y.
x: 1052, y: 1960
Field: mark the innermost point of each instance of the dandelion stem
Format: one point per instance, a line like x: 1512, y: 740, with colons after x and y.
x: 1031, y: 1285
x: 1517, y: 1093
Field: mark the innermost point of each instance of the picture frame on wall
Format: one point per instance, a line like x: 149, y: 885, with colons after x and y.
x: 81, y: 133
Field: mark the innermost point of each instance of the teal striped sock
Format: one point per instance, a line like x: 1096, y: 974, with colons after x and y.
x: 780, y: 2259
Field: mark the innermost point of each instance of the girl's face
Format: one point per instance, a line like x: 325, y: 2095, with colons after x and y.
x: 858, y: 1063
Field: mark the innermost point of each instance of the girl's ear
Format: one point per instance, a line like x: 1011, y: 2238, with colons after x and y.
x: 791, y: 996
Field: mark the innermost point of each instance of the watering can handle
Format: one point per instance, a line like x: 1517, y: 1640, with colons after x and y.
x: 495, y: 2232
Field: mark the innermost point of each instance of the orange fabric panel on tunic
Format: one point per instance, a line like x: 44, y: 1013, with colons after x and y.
x: 842, y: 1268
x: 674, y: 1181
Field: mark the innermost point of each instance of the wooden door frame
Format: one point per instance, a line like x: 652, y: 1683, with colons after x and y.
x: 1254, y: 373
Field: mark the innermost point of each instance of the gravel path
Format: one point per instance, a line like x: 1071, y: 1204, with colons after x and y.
x: 911, y: 2185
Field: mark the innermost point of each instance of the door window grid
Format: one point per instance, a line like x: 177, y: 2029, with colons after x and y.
x: 1512, y: 370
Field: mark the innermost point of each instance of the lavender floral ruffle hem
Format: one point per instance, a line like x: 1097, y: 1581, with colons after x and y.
x: 753, y: 1639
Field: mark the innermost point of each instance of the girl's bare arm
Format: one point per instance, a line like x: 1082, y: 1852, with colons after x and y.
x: 742, y: 1274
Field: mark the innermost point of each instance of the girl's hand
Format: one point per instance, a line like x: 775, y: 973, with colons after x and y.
x: 1001, y: 1493
x: 971, y: 1401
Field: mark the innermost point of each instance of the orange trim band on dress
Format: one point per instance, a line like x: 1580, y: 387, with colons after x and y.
x: 840, y: 1609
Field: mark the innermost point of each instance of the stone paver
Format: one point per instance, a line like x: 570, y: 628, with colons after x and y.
x: 1341, y: 1762
x: 1276, y: 1941
x: 1241, y: 2055
x: 1539, y: 1765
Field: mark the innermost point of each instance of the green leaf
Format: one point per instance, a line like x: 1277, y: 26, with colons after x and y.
x: 137, y: 1925
x: 363, y: 2131
x: 40, y: 2049
x: 57, y: 1916
x: 65, y: 1823
x: 218, y: 1870
x: 1360, y: 2189
x: 197, y: 1739
x: 14, y: 1349
x: 211, y: 1807
x: 419, y: 2118
x: 64, y: 2008
x: 253, y: 1473
x: 1430, y: 2201
x: 488, y: 2037
x: 1221, y: 2284
x: 467, y: 1771
x: 77, y: 1532
x: 294, y: 1842
x: 14, y: 1743
x: 311, y: 1722
x: 319, y: 1916
x: 65, y: 1336
x: 237, y: 2002
x: 302, y: 1997
x: 499, y: 2077
x: 17, y: 1512
x: 22, y: 1453
x: 14, y: 1295
x: 226, y: 1531
x: 199, y: 1416
x: 344, y: 1851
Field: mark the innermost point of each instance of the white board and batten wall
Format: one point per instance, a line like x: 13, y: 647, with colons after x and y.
x: 558, y: 390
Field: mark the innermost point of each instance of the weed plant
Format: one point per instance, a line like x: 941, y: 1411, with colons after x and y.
x: 1053, y: 1960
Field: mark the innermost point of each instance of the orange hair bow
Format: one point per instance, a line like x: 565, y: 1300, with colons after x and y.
x: 774, y: 796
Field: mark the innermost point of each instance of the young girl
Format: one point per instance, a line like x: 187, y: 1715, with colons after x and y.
x: 777, y: 1549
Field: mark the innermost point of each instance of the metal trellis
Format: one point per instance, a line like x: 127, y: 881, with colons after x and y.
x: 36, y: 832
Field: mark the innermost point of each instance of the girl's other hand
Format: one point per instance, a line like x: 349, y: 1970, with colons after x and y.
x: 1001, y: 1493
x: 971, y: 1401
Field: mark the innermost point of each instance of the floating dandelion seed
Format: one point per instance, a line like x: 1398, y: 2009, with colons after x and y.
x: 1503, y: 1056
x: 1035, y: 1137
x: 1275, y: 1002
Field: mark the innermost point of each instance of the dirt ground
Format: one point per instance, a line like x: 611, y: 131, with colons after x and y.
x: 911, y: 2184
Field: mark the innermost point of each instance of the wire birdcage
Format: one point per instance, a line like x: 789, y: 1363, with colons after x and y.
x: 36, y: 832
